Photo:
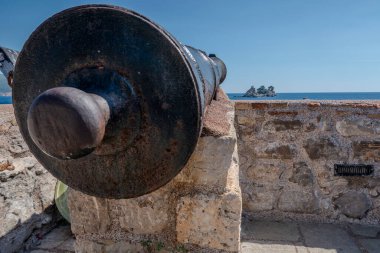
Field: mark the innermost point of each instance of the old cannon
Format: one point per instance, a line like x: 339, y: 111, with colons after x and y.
x: 109, y: 102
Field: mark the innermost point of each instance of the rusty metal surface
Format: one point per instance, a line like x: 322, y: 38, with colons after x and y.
x: 8, y: 59
x: 132, y: 100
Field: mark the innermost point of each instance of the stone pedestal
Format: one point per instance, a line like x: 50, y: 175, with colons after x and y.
x: 198, y: 211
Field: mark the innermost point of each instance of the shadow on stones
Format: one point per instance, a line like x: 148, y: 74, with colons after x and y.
x: 25, y: 235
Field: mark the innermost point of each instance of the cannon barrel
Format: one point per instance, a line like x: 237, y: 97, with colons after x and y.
x: 109, y: 102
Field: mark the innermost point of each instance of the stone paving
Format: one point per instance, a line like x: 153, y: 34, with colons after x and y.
x: 282, y: 237
x: 267, y: 237
x: 60, y: 240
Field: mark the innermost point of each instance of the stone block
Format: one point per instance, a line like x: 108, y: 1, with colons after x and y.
x: 298, y: 201
x: 358, y: 127
x: 258, y: 198
x: 273, y: 247
x: 210, y: 221
x: 313, y: 105
x: 101, y: 246
x: 353, y: 204
x: 264, y: 172
x: 56, y: 238
x: 302, y: 175
x: 148, y: 214
x: 283, y: 125
x: 279, y: 105
x: 259, y: 106
x: 365, y: 230
x: 367, y: 150
x: 218, y: 115
x: 322, y: 148
x: 245, y: 121
x: 370, y: 245
x: 88, y: 214
x: 275, y: 151
x: 326, y: 236
x: 242, y: 105
x: 270, y: 231
x: 211, y: 163
x: 283, y: 113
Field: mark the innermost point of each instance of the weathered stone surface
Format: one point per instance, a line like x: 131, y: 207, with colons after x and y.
x: 259, y: 106
x: 310, y: 127
x: 332, y: 185
x: 270, y: 237
x: 258, y: 198
x: 88, y: 214
x: 210, y: 221
x: 217, y: 123
x: 329, y: 237
x: 88, y: 246
x: 211, y: 163
x: 313, y: 105
x: 303, y: 140
x: 272, y: 247
x: 284, y: 125
x: 367, y: 150
x: 282, y: 113
x: 279, y: 104
x: 275, y: 151
x: 146, y: 214
x: 298, y: 201
x: 374, y: 116
x: 270, y: 231
x: 353, y: 204
x: 358, y: 127
x: 323, y: 147
x: 366, y: 231
x: 245, y: 121
x: 26, y: 189
x: 302, y: 175
x: 370, y: 245
x: 264, y: 172
x: 55, y: 239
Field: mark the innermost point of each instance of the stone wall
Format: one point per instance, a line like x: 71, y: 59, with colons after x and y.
x: 26, y: 188
x: 287, y: 152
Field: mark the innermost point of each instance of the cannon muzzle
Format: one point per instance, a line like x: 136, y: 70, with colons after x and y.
x: 109, y: 102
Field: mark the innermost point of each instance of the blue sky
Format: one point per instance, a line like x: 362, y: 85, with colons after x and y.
x: 294, y: 45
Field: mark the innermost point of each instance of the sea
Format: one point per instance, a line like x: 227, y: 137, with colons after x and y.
x: 288, y: 96
x: 313, y: 96
x: 5, y: 100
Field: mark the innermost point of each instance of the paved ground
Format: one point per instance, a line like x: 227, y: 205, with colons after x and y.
x: 60, y: 240
x: 267, y: 237
x: 280, y: 237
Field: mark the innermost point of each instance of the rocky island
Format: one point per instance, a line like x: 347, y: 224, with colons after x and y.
x: 260, y: 92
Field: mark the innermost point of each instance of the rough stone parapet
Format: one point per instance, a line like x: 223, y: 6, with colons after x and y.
x: 287, y: 152
x: 198, y: 211
x: 26, y: 188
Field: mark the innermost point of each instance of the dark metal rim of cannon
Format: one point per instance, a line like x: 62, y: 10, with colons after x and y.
x: 118, y: 55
